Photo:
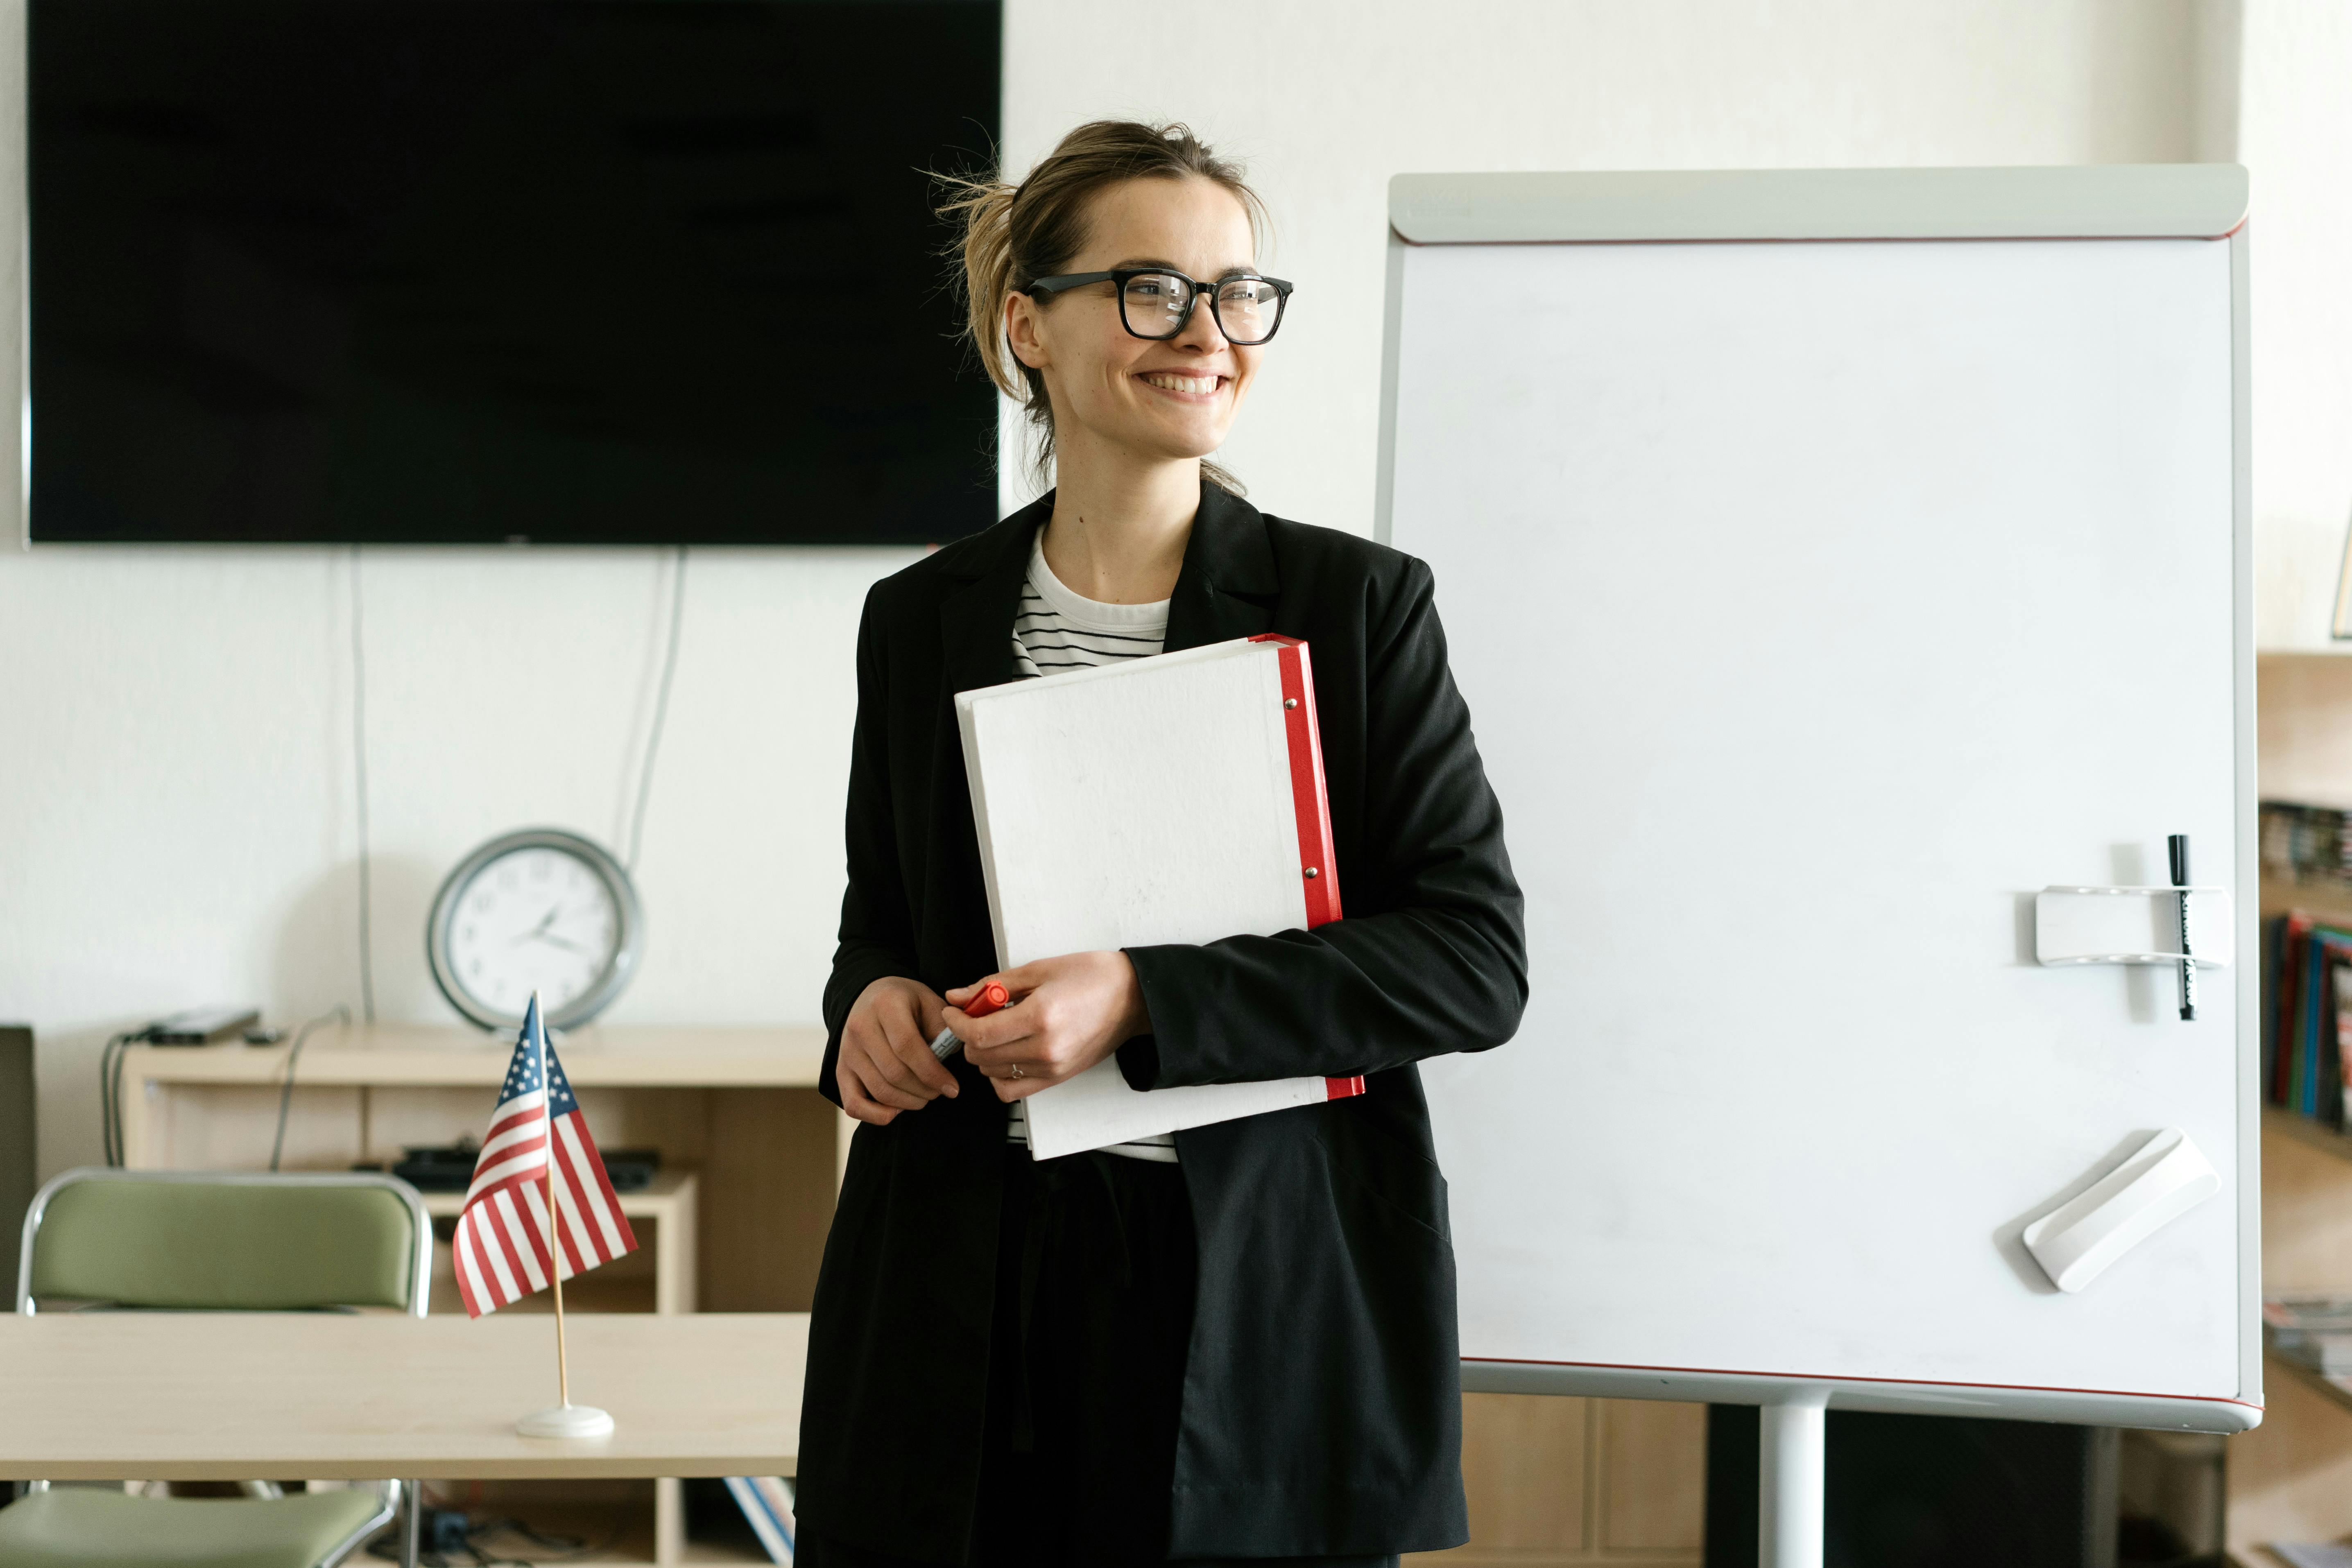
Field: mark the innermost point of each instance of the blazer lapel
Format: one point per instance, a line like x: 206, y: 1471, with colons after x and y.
x: 1225, y: 590
x: 1226, y: 586
x: 976, y: 620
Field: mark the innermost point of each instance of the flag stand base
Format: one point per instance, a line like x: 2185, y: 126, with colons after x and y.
x: 566, y: 1421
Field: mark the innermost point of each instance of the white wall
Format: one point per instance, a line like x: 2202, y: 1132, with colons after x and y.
x: 1347, y: 92
x: 2303, y: 730
x: 2295, y: 140
x: 176, y: 819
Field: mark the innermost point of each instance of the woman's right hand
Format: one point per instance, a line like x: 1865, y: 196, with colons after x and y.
x: 885, y: 1065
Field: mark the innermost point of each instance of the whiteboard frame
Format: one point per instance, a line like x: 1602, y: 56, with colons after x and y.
x: 2181, y: 201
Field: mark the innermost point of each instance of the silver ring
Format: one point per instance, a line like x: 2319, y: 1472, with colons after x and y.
x: 1016, y: 1069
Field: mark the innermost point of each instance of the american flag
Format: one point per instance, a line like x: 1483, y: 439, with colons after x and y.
x: 502, y: 1244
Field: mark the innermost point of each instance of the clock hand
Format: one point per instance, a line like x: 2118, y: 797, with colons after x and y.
x: 559, y: 941
x: 545, y: 921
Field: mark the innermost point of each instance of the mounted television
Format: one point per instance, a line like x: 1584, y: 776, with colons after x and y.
x: 482, y: 272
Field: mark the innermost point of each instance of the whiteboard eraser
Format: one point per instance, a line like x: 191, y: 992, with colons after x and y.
x: 2163, y: 1179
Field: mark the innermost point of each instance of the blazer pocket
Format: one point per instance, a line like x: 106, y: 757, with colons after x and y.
x: 1365, y: 1157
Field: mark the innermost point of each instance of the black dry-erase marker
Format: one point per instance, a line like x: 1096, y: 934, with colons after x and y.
x: 2178, y: 845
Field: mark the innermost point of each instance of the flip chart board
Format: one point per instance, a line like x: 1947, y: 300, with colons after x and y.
x: 1832, y: 561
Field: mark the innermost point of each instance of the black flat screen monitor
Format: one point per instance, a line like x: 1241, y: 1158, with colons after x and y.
x: 453, y: 271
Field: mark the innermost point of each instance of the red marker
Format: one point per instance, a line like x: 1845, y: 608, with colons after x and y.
x: 991, y: 996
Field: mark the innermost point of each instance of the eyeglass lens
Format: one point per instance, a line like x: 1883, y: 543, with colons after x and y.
x: 1156, y: 304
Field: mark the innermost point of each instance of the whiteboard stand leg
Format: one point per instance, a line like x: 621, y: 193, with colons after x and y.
x: 1789, y: 1479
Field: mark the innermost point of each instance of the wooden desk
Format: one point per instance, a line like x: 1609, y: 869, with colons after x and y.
x: 738, y: 1106
x: 229, y: 1396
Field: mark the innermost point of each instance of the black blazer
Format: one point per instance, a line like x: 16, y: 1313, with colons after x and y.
x: 1321, y: 1404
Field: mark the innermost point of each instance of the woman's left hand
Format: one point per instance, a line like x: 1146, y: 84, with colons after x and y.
x: 1068, y: 1013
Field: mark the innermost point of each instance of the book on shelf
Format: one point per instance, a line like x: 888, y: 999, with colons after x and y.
x: 767, y: 1504
x: 1177, y: 798
x: 2307, y: 1015
x: 2314, y: 1331
x: 2306, y: 843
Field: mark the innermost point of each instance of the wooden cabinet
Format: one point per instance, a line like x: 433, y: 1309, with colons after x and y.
x: 736, y: 1107
x: 1592, y: 1483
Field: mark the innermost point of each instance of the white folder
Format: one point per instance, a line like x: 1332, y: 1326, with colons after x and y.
x: 1171, y: 799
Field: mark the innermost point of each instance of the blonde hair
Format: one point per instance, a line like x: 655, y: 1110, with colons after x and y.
x: 1013, y: 235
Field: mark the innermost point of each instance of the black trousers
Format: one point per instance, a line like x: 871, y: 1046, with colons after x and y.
x: 1096, y: 1264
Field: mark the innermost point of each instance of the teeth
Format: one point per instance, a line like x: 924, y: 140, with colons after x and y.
x: 1182, y: 383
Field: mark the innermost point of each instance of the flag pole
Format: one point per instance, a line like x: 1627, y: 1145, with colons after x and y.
x: 565, y: 1419
x: 554, y: 1212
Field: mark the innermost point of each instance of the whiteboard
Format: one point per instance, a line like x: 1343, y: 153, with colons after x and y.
x: 1817, y: 601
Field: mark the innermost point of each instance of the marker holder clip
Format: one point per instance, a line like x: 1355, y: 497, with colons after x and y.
x: 2131, y: 925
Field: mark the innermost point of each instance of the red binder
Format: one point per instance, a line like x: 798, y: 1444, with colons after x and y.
x: 1319, y: 872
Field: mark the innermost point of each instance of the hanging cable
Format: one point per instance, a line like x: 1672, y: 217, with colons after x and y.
x: 360, y: 777
x: 110, y: 1093
x: 661, y: 709
x: 106, y: 1101
x: 293, y: 1058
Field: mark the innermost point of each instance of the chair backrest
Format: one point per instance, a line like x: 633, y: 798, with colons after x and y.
x: 227, y: 1241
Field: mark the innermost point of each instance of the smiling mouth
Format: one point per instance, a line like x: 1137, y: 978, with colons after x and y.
x: 1183, y: 385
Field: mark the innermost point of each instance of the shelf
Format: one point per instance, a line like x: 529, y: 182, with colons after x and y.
x: 737, y: 1105
x: 617, y: 1534
x: 2337, y: 1390
x: 669, y: 1056
x: 656, y: 1278
x: 621, y: 1522
x: 2308, y: 1130
x: 711, y: 1552
x: 670, y: 1194
x: 2330, y: 901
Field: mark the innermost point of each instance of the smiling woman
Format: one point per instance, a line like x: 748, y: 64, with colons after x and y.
x: 1084, y: 199
x: 1236, y: 1341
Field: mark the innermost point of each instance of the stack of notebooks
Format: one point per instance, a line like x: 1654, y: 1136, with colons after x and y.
x: 2306, y: 1013
x: 2311, y: 1331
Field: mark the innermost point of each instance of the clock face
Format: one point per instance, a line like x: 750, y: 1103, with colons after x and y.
x: 533, y: 919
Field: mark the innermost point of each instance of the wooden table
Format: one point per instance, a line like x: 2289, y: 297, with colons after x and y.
x: 228, y: 1397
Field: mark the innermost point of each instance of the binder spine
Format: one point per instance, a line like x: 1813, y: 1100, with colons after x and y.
x: 1318, y: 876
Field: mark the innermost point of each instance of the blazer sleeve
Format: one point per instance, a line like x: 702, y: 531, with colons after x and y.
x: 1437, y: 964
x: 877, y: 930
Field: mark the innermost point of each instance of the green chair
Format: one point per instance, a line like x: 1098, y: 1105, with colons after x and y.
x: 216, y: 1241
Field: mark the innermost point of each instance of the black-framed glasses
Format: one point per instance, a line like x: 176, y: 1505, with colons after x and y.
x: 1155, y: 302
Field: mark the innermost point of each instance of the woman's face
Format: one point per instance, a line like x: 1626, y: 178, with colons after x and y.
x: 1157, y: 399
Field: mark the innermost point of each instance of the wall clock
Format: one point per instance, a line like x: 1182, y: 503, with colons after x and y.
x: 539, y: 909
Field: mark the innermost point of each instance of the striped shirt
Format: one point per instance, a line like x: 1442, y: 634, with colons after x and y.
x: 1057, y: 630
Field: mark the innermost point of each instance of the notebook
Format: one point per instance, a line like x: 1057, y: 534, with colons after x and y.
x: 1171, y: 799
